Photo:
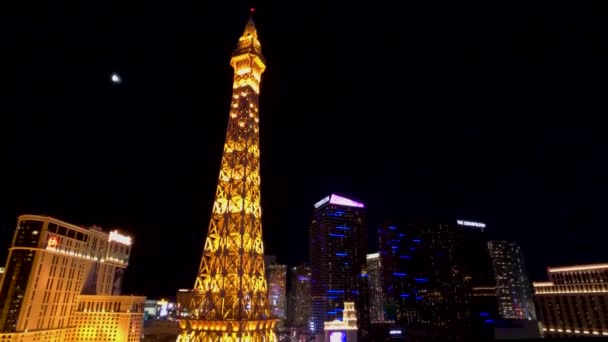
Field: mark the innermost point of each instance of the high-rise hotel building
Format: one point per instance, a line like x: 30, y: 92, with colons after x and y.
x: 438, y: 280
x: 376, y: 296
x: 338, y: 248
x: 276, y: 278
x: 299, y: 296
x: 50, y: 268
x: 574, y: 302
x: 513, y: 288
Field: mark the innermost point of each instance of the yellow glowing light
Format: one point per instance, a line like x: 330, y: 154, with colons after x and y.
x: 575, y: 331
x: 243, y: 71
x: 115, y: 236
x: 233, y: 253
x: 577, y: 268
x: 558, y: 291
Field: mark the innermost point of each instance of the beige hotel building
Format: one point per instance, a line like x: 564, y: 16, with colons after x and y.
x: 574, y: 302
x: 63, y: 282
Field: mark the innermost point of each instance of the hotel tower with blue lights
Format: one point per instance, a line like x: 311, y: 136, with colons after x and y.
x: 338, y: 248
x: 438, y: 280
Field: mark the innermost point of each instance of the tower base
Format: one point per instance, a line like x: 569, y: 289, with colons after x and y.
x: 227, y: 331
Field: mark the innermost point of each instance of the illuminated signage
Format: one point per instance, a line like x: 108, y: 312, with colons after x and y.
x: 471, y: 224
x: 395, y: 332
x: 339, y: 200
x: 321, y: 202
x: 163, y: 307
x: 373, y: 256
x: 335, y: 199
x: 115, y: 236
x: 52, y: 242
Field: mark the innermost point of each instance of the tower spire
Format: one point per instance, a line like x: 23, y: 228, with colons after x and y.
x: 250, y: 29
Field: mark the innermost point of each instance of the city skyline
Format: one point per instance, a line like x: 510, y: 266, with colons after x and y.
x: 90, y: 151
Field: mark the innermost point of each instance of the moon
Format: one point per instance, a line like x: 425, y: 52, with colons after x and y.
x: 115, y: 78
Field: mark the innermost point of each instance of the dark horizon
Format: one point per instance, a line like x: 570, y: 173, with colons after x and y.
x: 475, y: 111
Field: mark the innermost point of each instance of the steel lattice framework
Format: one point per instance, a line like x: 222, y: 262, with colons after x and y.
x: 229, y: 301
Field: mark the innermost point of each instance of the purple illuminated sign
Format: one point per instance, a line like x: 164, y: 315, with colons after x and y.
x: 339, y: 200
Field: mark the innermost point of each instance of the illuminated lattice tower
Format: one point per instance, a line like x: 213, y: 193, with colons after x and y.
x: 229, y: 301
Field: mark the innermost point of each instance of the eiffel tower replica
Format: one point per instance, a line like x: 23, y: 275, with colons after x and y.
x: 229, y: 301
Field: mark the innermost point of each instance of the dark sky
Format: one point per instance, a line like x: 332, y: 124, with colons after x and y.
x: 491, y: 111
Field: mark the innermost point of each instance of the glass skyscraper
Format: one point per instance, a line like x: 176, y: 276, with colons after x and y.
x: 438, y: 279
x: 276, y: 276
x: 513, y: 288
x: 338, y: 248
x: 376, y: 297
x: 299, y: 305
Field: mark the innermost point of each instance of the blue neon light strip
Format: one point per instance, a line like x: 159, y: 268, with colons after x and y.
x: 417, y: 240
x: 405, y: 257
x: 399, y: 274
x: 335, y: 291
x: 336, y: 235
x: 404, y: 295
x: 392, y: 227
x: 341, y: 254
x: 401, y: 234
x: 421, y: 280
x: 484, y: 314
x: 342, y: 227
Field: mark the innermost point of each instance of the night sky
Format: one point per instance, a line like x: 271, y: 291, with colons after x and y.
x: 490, y: 111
